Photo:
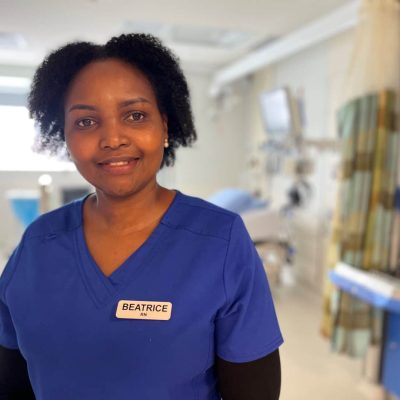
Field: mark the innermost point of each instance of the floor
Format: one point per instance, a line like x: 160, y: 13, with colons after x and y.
x: 310, y: 371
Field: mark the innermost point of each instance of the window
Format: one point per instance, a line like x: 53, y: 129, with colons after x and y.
x: 17, y: 135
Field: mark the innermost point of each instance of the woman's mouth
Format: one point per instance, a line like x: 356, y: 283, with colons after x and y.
x: 118, y: 167
x: 117, y: 163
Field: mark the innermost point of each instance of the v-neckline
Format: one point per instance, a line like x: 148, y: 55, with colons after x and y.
x: 102, y: 287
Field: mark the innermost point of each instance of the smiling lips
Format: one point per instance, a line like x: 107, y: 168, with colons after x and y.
x: 119, y: 165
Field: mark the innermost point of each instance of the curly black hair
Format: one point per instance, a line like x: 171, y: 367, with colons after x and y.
x: 144, y: 52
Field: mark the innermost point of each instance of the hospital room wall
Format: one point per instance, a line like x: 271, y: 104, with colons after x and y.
x: 217, y: 159
x: 319, y: 74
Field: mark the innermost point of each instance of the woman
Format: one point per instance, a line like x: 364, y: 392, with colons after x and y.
x: 135, y: 291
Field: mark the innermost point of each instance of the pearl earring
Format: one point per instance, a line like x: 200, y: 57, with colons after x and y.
x: 166, y: 144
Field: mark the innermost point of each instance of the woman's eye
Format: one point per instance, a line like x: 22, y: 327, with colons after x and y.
x: 136, y: 116
x: 85, y: 123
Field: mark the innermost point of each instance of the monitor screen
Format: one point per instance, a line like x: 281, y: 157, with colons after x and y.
x: 277, y: 112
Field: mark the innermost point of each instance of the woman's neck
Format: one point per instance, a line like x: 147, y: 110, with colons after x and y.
x: 129, y: 214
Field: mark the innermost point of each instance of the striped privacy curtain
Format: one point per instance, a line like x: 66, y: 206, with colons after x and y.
x: 364, y: 234
x: 370, y: 133
x: 366, y: 227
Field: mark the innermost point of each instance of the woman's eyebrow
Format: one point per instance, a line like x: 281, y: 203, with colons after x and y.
x: 81, y: 107
x: 133, y: 101
x: 120, y: 105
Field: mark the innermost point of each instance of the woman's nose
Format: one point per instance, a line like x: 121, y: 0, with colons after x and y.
x: 113, y: 136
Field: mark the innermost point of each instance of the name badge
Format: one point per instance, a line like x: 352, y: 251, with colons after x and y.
x: 153, y: 310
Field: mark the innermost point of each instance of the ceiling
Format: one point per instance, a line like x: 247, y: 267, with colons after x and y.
x: 202, y: 33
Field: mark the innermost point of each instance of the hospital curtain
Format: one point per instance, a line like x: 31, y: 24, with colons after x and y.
x: 366, y: 208
x: 371, y: 151
x: 365, y: 233
x: 394, y: 258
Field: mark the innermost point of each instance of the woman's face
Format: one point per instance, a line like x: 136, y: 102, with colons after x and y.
x: 113, y: 128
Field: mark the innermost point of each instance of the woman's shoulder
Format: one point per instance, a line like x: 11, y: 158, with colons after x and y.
x: 202, y: 217
x: 61, y: 219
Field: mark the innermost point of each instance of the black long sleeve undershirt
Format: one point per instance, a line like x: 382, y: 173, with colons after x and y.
x: 14, y: 380
x: 255, y: 380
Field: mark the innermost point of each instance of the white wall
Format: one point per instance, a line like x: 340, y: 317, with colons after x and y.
x: 217, y: 158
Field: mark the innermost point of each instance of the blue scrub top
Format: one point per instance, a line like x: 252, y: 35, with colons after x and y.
x: 59, y: 309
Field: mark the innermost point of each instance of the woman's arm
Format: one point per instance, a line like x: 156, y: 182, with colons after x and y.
x: 255, y: 380
x: 14, y: 380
